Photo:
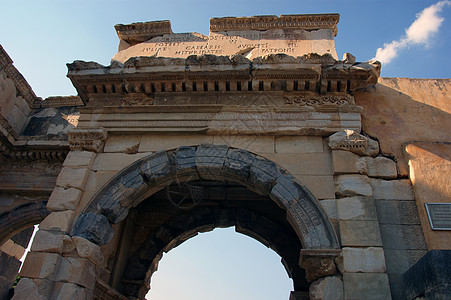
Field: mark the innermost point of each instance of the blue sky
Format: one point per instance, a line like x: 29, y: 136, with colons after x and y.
x: 42, y: 36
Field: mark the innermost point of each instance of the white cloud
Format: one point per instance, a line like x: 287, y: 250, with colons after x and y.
x: 419, y: 32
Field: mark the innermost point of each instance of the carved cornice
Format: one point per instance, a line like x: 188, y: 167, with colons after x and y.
x: 21, y: 84
x: 140, y: 32
x: 28, y: 153
x: 59, y: 101
x: 306, y: 22
x: 89, y: 139
x: 276, y: 72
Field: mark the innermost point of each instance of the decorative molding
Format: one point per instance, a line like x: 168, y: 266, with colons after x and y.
x: 306, y: 100
x: 306, y: 22
x: 278, y: 72
x: 136, y: 99
x: 140, y: 32
x: 6, y: 63
x: 27, y: 153
x: 9, y: 129
x: 59, y: 101
x: 89, y: 139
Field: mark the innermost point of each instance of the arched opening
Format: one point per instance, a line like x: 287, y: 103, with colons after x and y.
x: 221, y: 264
x: 180, y: 211
x: 16, y: 231
x: 167, y: 197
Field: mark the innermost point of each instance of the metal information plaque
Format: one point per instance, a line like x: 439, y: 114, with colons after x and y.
x: 439, y: 215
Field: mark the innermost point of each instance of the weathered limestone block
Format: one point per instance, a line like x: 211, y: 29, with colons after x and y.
x: 321, y: 186
x: 70, y: 291
x: 122, y: 143
x: 366, y: 260
x: 350, y: 140
x: 89, y: 250
x: 165, y: 142
x: 70, y: 177
x: 46, y: 241
x: 64, y: 199
x: 76, y: 159
x: 392, y: 190
x: 12, y: 249
x: 299, y: 144
x: 58, y: 220
x: 330, y: 207
x: 76, y: 270
x: 33, y: 289
x: 93, y: 227
x: 327, y: 288
x: 40, y: 265
x: 381, y: 167
x: 370, y: 285
x: 351, y: 185
x: 255, y: 144
x: 115, y: 161
x: 345, y: 162
x: 360, y: 233
x: 303, y: 163
x: 356, y: 208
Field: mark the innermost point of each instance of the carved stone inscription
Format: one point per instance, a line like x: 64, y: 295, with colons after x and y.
x: 253, y: 43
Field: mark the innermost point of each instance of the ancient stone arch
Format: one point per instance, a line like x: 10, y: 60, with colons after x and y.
x: 295, y: 215
x: 21, y: 218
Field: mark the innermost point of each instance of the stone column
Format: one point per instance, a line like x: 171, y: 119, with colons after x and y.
x: 60, y: 266
x: 362, y: 262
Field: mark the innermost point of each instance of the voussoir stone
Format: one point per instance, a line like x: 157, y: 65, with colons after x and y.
x: 350, y: 140
x: 93, y: 227
x: 327, y: 288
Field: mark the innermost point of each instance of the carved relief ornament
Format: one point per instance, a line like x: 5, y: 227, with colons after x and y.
x: 89, y: 139
x: 310, y: 100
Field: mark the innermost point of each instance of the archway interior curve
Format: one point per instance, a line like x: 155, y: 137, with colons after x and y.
x: 171, y: 216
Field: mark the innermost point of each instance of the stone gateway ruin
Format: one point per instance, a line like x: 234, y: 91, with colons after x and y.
x: 258, y: 126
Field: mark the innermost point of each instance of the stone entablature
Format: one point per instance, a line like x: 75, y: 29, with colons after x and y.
x: 208, y: 73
